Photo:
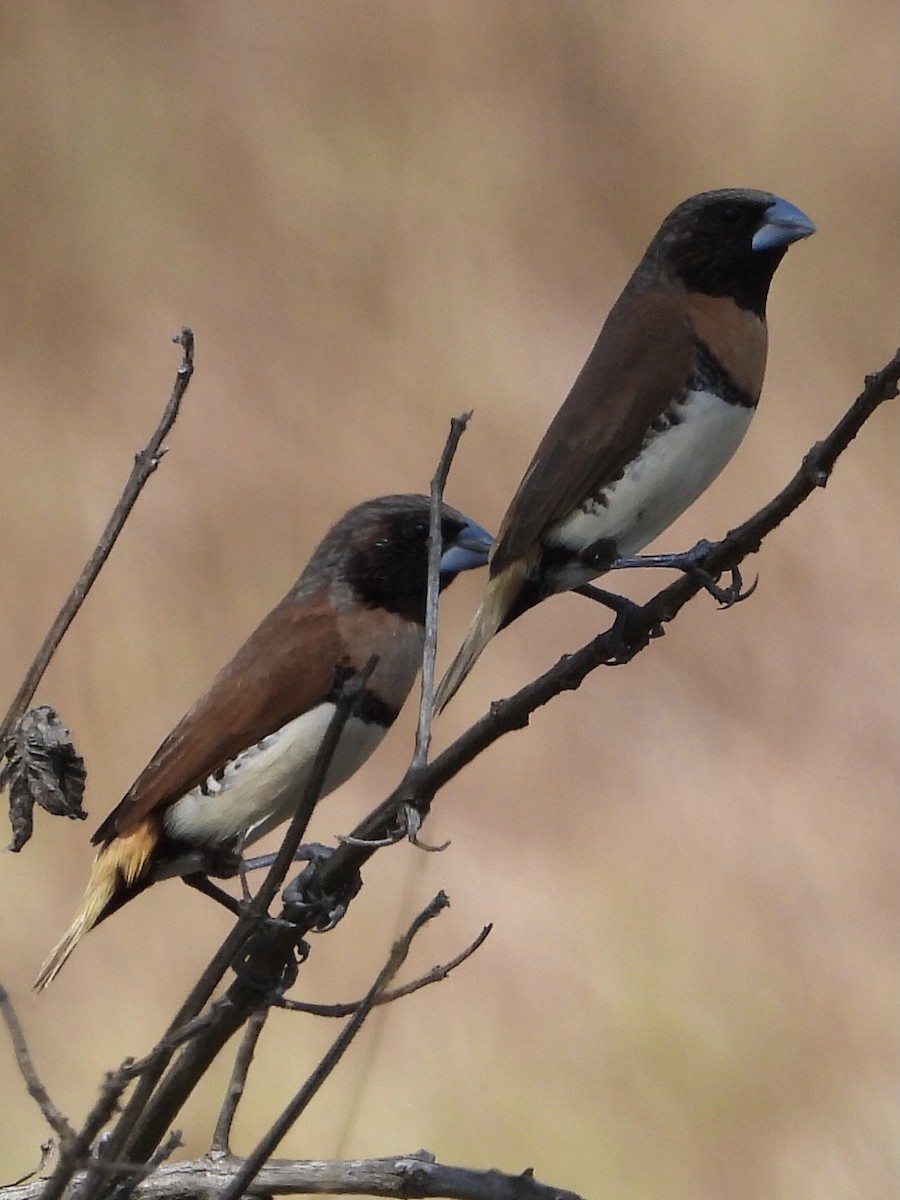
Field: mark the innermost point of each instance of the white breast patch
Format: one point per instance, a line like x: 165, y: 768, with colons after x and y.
x: 264, y: 785
x: 673, y: 468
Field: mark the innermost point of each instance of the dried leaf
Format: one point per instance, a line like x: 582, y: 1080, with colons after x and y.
x: 42, y: 767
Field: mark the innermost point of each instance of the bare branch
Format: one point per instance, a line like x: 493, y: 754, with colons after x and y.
x: 222, y: 1134
x: 435, y: 975
x: 47, y: 1149
x: 145, y: 463
x: 401, y: 1176
x: 73, y: 1154
x: 143, y: 1125
x: 267, y: 1145
x: 438, y: 483
x: 36, y: 1089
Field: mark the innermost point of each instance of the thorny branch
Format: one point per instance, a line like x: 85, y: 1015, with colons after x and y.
x: 135, y: 1137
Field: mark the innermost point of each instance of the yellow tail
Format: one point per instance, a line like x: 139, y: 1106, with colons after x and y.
x: 499, y: 593
x: 117, y: 865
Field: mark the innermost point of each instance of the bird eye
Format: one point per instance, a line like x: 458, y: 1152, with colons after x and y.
x: 731, y: 215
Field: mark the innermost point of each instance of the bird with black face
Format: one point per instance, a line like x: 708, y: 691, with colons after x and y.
x: 236, y: 764
x: 658, y: 409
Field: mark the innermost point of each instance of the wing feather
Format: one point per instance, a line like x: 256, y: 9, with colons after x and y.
x: 639, y: 364
x: 285, y: 666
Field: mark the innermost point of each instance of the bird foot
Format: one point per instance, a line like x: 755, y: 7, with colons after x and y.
x: 264, y: 965
x: 371, y: 843
x: 303, y: 895
x: 691, y: 563
x: 411, y: 822
x: 732, y: 593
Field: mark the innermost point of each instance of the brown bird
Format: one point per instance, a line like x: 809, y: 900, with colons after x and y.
x: 236, y: 765
x: 658, y: 409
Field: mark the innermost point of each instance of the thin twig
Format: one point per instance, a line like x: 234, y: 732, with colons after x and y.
x: 47, y: 1149
x: 36, y: 1089
x: 267, y: 1145
x: 145, y: 463
x: 438, y: 483
x: 185, y: 1024
x: 73, y: 1155
x: 174, y: 1037
x: 221, y: 1138
x: 435, y: 975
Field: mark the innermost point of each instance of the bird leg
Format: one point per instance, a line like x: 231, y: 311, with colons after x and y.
x: 622, y: 606
x: 691, y: 562
x: 308, y: 852
x: 202, y: 882
x: 225, y: 864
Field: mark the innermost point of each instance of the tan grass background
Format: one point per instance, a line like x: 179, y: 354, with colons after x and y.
x: 375, y: 215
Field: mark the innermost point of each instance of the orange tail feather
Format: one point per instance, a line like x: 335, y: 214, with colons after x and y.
x: 116, y: 867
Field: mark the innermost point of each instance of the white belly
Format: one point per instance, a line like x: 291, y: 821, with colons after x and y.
x: 263, y: 786
x: 671, y: 471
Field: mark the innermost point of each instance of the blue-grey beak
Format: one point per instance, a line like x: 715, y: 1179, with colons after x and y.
x: 784, y: 223
x: 469, y: 549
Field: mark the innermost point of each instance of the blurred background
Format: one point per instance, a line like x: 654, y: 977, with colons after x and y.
x: 375, y: 216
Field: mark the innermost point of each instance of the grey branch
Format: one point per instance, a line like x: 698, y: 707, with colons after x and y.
x: 403, y: 1176
x: 435, y: 975
x: 261, y: 1153
x: 438, y: 483
x: 142, y: 1127
x: 36, y: 1089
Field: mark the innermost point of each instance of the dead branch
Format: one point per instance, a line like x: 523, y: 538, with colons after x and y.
x: 436, y: 975
x: 426, y: 697
x: 221, y: 1138
x: 27, y: 1070
x: 267, y: 947
x: 255, y: 1160
x: 401, y: 1176
x: 145, y: 463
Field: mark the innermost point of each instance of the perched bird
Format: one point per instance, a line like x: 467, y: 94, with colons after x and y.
x: 658, y: 409
x: 235, y: 766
